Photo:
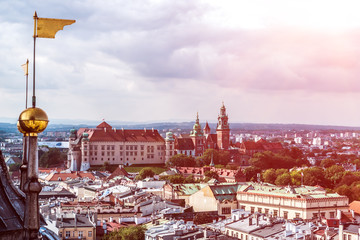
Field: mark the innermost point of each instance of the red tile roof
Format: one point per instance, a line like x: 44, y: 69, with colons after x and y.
x: 54, y: 176
x: 104, y: 125
x: 184, y: 144
x: 120, y: 171
x: 355, y: 205
x: 122, y: 135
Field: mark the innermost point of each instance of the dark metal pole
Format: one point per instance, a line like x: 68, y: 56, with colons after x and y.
x: 34, y: 97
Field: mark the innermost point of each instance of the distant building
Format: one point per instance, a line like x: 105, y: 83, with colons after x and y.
x: 195, y: 143
x: 76, y: 226
x: 250, y: 147
x: 89, y: 147
x: 303, y: 202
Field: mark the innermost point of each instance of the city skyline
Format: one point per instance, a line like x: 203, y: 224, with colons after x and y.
x: 153, y: 61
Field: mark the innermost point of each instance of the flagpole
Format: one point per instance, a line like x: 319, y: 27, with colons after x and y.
x: 27, y: 83
x: 33, y: 97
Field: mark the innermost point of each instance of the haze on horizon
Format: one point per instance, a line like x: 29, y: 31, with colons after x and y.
x: 281, y: 61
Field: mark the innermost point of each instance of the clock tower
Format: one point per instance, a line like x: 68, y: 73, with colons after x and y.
x: 223, y: 129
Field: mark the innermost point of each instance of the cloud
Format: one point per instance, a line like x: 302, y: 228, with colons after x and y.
x: 158, y: 60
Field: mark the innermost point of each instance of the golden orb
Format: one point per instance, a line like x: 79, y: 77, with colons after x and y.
x: 19, y: 128
x: 33, y: 120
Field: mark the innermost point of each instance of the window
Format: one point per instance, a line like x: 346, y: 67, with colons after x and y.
x: 275, y: 213
x: 67, y: 234
x: 89, y: 233
x: 102, y: 147
x: 259, y: 209
x: 252, y: 209
x: 266, y: 211
x: 80, y: 234
x: 225, y: 210
x: 297, y: 215
x: 322, y: 215
x: 332, y: 214
x: 285, y: 215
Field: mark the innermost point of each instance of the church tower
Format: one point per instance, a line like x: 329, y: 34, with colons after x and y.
x: 169, y: 146
x: 223, y: 129
x: 207, y: 129
x: 198, y: 137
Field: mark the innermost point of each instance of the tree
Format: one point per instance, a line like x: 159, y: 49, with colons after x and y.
x: 175, y: 179
x: 269, y: 176
x: 220, y: 157
x: 251, y: 173
x: 283, y: 179
x: 326, y: 163
x: 314, y: 176
x: 211, y: 174
x: 348, y: 179
x: 334, y: 173
x: 267, y: 159
x: 295, y: 178
x: 53, y: 157
x: 344, y: 190
x: 181, y: 160
x: 125, y: 233
x: 145, y: 172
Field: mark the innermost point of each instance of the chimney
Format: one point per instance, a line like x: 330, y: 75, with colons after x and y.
x: 341, y: 231
x: 105, y: 129
x: 250, y: 221
x: 338, y: 214
x: 152, y: 129
x: 144, y: 129
x: 75, y: 216
x: 114, y: 129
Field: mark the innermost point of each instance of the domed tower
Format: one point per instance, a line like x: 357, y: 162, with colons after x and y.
x: 169, y: 146
x: 72, y: 138
x: 85, y: 152
x: 223, y: 129
x: 74, y: 153
x: 198, y: 137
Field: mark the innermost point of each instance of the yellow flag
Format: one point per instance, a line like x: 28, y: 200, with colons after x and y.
x: 25, y: 66
x: 48, y: 27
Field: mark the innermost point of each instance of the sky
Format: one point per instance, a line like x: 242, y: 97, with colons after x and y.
x: 279, y: 61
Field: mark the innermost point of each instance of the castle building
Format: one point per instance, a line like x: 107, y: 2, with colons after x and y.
x: 223, y: 129
x: 195, y: 143
x: 95, y: 146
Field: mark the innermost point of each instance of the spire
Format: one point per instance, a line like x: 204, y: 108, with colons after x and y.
x: 197, y: 131
x: 207, y: 129
x: 212, y: 160
x: 223, y: 118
